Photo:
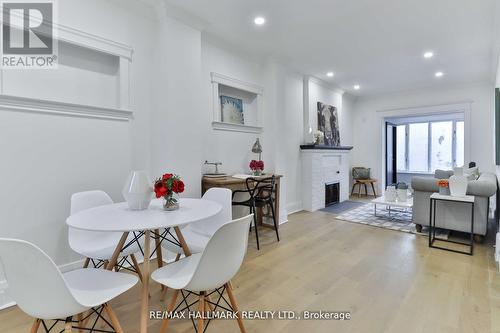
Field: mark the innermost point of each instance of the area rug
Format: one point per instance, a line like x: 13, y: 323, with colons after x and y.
x: 342, y: 207
x: 397, y: 220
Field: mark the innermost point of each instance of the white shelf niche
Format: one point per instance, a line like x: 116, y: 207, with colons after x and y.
x: 249, y: 93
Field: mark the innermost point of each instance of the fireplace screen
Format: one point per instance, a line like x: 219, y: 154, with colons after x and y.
x: 332, y: 193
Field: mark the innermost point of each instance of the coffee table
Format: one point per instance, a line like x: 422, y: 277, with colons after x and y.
x: 408, y: 204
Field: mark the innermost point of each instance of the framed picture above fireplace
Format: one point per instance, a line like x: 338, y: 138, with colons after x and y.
x: 328, y: 123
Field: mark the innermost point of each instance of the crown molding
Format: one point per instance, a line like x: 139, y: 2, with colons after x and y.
x: 325, y: 84
x: 33, y: 105
x: 184, y: 16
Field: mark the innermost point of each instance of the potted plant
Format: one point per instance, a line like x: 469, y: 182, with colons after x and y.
x: 169, y: 186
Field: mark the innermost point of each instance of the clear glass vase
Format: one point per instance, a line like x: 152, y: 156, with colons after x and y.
x: 171, y: 202
x: 257, y: 173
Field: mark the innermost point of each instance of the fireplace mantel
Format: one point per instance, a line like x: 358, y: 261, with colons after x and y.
x: 322, y: 147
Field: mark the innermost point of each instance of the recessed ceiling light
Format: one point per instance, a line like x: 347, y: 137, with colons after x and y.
x: 330, y: 74
x: 428, y: 54
x: 356, y: 87
x: 259, y: 20
x: 438, y: 74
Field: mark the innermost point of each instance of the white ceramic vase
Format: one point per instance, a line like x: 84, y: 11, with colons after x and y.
x: 458, y: 183
x: 138, y: 190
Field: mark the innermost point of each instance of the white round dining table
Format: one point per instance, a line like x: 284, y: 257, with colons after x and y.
x: 119, y: 217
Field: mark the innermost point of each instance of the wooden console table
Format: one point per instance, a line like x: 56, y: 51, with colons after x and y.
x: 233, y: 183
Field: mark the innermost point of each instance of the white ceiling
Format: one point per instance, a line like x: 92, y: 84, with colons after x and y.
x: 375, y: 43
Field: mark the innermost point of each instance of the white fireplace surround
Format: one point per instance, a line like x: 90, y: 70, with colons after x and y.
x: 320, y: 167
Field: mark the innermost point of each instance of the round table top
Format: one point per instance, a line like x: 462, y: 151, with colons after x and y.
x: 119, y: 217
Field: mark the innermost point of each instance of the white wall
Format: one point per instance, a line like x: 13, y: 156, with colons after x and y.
x: 233, y: 149
x: 367, y: 132
x: 288, y: 132
x: 46, y: 158
x: 178, y: 113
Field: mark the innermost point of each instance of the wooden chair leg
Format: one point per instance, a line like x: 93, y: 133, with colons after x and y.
x: 170, y: 308
x: 68, y: 327
x: 86, y: 263
x: 80, y: 322
x: 159, y: 255
x: 201, y: 310
x: 114, y: 319
x: 359, y: 190
x: 232, y: 300
x: 35, y: 326
x: 84, y: 321
x: 374, y: 192
x: 366, y: 191
x: 353, y: 187
x: 136, y: 266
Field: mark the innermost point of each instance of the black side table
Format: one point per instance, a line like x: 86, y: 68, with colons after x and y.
x: 435, y: 197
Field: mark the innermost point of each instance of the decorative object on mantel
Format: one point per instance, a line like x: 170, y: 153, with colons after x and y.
x: 444, y: 186
x: 328, y: 123
x: 402, y: 189
x: 257, y: 167
x: 137, y: 190
x: 458, y: 183
x: 232, y: 110
x: 318, y: 136
x: 216, y: 174
x: 169, y: 186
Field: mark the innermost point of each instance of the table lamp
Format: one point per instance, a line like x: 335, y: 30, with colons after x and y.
x: 257, y: 148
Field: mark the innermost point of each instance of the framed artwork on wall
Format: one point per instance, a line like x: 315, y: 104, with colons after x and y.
x: 328, y: 123
x: 232, y: 110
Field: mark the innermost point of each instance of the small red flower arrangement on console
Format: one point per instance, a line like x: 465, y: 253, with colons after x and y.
x: 257, y: 167
x: 168, y: 187
x: 444, y: 186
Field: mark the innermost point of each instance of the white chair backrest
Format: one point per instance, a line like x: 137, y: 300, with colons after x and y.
x: 85, y: 200
x: 222, y: 196
x: 223, y: 256
x: 89, y: 199
x: 34, y: 281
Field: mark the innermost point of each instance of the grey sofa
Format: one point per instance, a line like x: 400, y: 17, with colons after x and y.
x: 451, y: 215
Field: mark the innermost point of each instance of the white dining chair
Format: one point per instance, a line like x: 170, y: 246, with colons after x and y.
x: 198, y: 234
x: 98, y: 247
x: 208, y: 273
x: 40, y: 290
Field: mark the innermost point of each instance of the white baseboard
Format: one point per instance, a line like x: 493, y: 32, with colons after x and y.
x: 294, y: 207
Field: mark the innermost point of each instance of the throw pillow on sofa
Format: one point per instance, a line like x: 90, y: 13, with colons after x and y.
x: 472, y: 173
x: 443, y: 174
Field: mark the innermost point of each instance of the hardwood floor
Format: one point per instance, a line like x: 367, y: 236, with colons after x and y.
x: 390, y: 282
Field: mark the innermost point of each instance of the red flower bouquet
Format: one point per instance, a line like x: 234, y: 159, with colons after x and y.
x: 444, y: 186
x: 168, y: 187
x: 257, y: 167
